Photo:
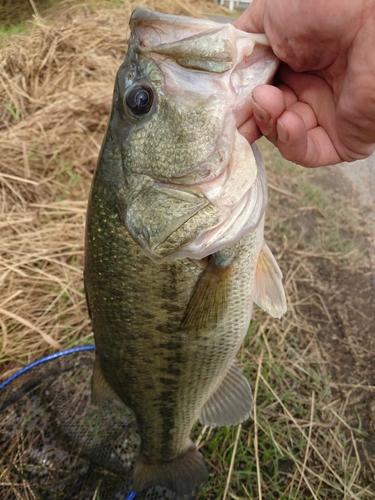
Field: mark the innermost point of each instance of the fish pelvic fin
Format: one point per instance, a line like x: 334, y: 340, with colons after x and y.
x: 209, y: 299
x: 100, y: 390
x: 269, y: 290
x: 231, y: 403
x: 182, y: 475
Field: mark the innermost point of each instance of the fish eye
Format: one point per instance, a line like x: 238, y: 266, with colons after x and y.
x: 139, y: 99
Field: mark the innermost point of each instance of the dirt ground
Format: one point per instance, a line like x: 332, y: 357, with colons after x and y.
x: 348, y: 340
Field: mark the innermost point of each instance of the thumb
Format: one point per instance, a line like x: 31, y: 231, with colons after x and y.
x: 251, y: 20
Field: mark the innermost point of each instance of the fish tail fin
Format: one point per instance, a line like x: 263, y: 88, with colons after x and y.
x: 183, y: 474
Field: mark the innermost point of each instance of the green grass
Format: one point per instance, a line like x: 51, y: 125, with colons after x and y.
x: 6, y: 31
x: 66, y: 179
x: 14, y: 14
x: 12, y: 30
x: 16, y: 113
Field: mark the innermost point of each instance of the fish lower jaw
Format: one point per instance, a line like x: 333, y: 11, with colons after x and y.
x: 239, y: 223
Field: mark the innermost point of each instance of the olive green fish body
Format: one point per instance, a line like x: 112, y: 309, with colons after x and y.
x: 162, y: 370
x: 175, y: 255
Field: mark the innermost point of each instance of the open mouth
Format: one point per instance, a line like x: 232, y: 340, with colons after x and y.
x: 218, y: 225
x: 172, y: 221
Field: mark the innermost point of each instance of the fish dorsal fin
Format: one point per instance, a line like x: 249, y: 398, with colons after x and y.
x: 231, y: 403
x: 100, y: 390
x: 269, y: 290
x: 208, y: 302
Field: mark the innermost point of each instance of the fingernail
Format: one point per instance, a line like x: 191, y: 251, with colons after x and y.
x: 260, y: 114
x: 282, y: 132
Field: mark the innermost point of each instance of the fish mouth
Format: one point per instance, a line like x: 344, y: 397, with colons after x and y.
x: 157, y: 212
x: 197, y: 221
x: 235, y: 221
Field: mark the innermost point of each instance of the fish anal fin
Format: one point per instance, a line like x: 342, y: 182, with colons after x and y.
x: 231, y: 403
x: 269, y: 290
x: 208, y: 302
x: 183, y: 475
x: 100, y: 390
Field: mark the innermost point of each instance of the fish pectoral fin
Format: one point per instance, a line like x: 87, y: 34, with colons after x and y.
x: 100, y: 390
x: 183, y: 474
x: 208, y: 302
x: 269, y: 290
x: 231, y: 403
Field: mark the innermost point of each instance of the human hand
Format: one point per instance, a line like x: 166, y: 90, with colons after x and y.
x: 322, y: 109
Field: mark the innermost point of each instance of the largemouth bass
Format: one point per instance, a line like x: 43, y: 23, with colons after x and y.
x: 175, y: 255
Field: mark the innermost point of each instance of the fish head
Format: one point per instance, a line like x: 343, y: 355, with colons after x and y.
x: 190, y: 183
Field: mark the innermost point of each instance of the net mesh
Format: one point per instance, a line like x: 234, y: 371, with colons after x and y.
x: 55, y: 444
